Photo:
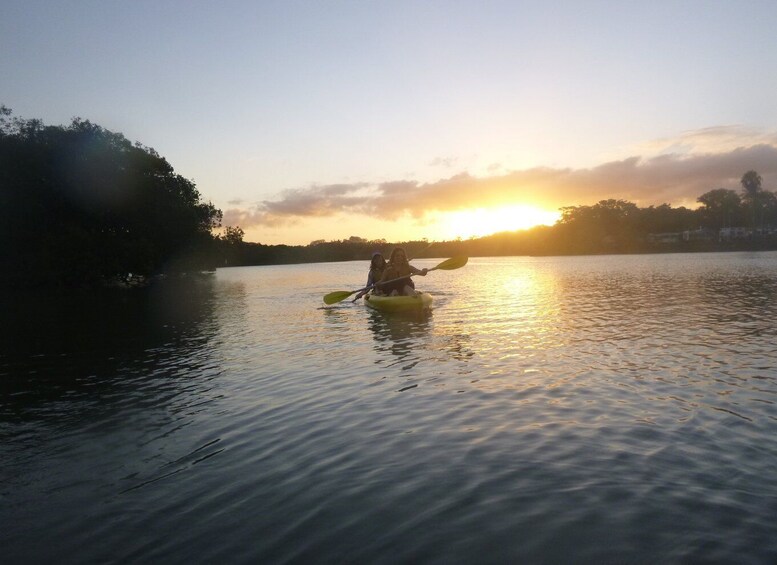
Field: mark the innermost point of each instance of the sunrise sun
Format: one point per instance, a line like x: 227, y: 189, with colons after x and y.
x: 485, y: 221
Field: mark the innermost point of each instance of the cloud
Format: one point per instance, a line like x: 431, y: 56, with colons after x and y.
x: 493, y: 167
x: 715, y: 139
x: 445, y: 162
x: 674, y: 178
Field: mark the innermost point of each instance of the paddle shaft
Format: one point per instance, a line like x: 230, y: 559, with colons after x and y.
x: 447, y: 265
x: 393, y: 280
x: 363, y: 291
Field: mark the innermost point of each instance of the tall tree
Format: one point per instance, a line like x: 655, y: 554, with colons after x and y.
x: 719, y: 208
x: 768, y: 205
x: 751, y: 187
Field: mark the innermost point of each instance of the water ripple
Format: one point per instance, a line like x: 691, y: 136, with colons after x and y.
x: 597, y: 409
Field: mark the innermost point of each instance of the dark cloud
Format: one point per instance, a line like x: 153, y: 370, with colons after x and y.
x: 672, y: 178
x: 316, y: 201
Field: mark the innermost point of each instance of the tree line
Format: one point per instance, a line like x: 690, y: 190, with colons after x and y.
x: 81, y: 205
x: 609, y: 226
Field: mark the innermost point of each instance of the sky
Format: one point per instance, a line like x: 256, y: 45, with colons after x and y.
x: 407, y: 120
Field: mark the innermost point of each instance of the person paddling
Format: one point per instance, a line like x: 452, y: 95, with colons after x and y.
x: 377, y: 266
x: 399, y: 268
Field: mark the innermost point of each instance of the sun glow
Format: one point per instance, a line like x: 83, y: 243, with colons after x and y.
x: 485, y: 221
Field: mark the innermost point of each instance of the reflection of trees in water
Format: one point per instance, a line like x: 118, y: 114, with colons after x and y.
x: 95, y: 347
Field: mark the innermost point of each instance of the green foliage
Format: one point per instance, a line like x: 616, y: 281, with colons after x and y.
x: 80, y: 204
x: 720, y: 208
x: 664, y: 218
x: 233, y: 235
x: 602, y: 226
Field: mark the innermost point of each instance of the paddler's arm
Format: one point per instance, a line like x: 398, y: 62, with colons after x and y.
x: 370, y: 281
x: 415, y: 271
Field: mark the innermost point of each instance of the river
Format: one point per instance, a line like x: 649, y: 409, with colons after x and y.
x: 548, y: 410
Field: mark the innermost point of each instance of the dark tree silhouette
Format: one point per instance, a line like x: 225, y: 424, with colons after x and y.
x: 80, y: 205
x: 719, y: 208
x: 233, y: 235
x: 751, y: 187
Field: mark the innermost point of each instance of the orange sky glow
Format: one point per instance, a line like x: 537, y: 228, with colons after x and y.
x: 406, y: 120
x: 464, y: 205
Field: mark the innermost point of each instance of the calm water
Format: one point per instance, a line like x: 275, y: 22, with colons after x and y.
x: 594, y: 409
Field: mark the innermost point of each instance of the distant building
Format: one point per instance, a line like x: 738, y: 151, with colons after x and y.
x: 727, y: 234
x: 664, y: 237
x: 701, y: 234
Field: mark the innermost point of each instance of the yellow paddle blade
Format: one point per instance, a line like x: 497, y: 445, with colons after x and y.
x: 452, y: 263
x: 337, y: 296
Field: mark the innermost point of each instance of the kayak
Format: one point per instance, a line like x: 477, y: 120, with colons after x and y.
x: 421, y: 301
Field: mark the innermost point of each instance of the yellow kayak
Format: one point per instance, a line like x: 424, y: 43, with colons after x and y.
x: 421, y: 301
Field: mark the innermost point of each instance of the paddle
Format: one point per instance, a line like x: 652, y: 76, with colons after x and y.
x: 447, y: 265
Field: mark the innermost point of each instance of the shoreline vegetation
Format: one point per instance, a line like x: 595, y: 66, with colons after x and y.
x: 81, y: 206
